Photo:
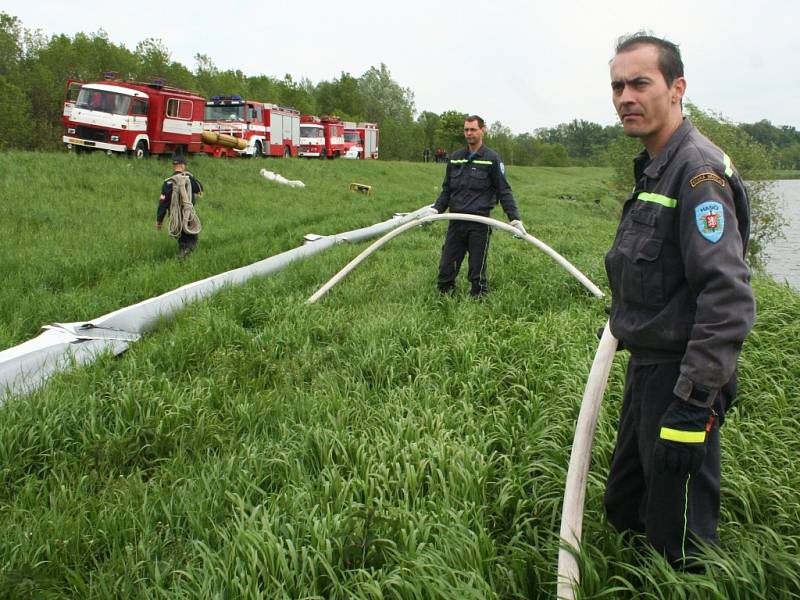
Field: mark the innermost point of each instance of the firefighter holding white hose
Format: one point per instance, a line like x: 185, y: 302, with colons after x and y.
x: 681, y: 304
x: 474, y: 181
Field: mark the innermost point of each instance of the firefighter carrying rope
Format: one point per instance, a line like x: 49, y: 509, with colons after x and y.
x: 178, y: 196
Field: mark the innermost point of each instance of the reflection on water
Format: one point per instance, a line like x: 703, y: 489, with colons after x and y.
x: 783, y: 261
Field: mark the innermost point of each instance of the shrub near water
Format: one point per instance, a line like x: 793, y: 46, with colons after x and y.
x: 384, y: 442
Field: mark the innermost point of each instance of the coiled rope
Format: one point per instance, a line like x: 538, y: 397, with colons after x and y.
x: 182, y: 216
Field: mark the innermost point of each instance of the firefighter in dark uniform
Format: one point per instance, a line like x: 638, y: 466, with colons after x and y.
x: 186, y: 241
x: 474, y: 180
x: 681, y: 304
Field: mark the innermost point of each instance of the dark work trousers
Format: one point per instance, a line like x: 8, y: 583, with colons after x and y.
x: 672, y: 511
x: 187, y: 241
x: 463, y: 237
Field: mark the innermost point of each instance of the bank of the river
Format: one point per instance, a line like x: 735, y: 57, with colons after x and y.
x: 780, y: 175
x: 782, y: 262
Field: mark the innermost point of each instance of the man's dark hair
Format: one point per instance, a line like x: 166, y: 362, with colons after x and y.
x: 481, y: 124
x: 669, y: 55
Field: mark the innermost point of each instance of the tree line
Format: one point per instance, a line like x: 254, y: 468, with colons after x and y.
x: 34, y: 70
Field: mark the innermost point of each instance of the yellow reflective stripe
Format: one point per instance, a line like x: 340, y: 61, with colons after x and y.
x: 685, y: 516
x: 726, y: 160
x: 686, y: 437
x: 466, y: 160
x: 658, y: 199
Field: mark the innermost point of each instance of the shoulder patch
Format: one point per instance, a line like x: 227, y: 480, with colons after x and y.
x: 710, y: 176
x: 502, y: 168
x: 710, y: 219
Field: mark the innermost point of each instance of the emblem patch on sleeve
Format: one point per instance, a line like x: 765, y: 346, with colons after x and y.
x: 710, y: 219
x: 710, y: 176
x: 502, y: 168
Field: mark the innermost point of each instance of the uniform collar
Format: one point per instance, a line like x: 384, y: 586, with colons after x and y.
x: 478, y: 152
x: 660, y: 162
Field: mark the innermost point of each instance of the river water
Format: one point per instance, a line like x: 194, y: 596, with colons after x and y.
x: 783, y: 260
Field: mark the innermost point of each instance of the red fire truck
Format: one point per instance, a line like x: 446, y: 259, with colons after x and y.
x: 138, y: 118
x: 267, y: 129
x: 361, y: 140
x: 321, y: 137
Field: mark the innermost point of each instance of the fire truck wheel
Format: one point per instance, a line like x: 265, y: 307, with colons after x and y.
x: 257, y: 152
x: 141, y: 150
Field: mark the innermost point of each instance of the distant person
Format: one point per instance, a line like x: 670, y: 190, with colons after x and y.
x: 474, y: 180
x: 440, y: 155
x: 178, y: 196
x: 426, y: 155
x: 681, y: 303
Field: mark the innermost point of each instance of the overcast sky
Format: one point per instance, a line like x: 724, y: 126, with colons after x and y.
x: 526, y: 64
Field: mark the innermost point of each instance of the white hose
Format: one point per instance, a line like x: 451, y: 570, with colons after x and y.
x: 29, y: 365
x: 457, y: 217
x: 575, y: 487
x: 295, y: 183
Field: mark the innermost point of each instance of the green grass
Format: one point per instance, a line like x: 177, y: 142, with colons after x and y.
x: 382, y: 443
x: 785, y: 174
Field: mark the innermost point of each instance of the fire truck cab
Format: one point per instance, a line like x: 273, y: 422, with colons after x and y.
x: 267, y: 129
x: 321, y: 137
x: 137, y: 118
x: 353, y: 146
x: 361, y: 140
x: 312, y: 137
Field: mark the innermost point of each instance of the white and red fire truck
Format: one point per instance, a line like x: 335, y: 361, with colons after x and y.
x: 267, y: 129
x: 138, y: 118
x: 361, y: 140
x: 321, y: 137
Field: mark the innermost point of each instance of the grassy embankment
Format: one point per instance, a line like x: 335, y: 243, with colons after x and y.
x: 786, y: 174
x: 383, y: 443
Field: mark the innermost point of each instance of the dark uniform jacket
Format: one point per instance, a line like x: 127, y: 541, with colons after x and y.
x: 680, y: 285
x: 166, y: 194
x: 474, y: 185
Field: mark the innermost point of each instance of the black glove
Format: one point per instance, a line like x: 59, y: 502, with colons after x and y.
x: 681, y: 444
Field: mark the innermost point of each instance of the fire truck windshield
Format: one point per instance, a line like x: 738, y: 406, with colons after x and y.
x: 103, y: 101
x: 311, y: 132
x: 222, y: 112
